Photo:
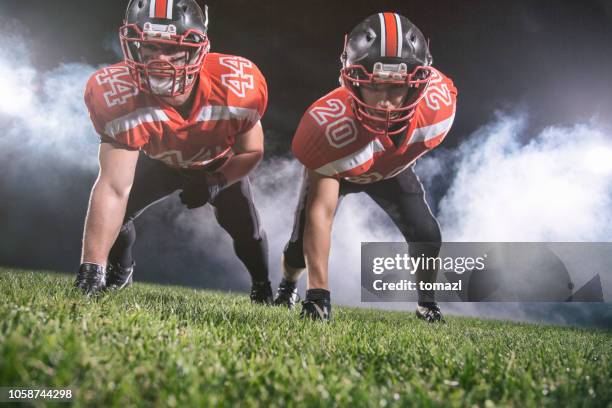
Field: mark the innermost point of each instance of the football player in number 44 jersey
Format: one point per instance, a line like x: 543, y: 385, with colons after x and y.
x: 365, y: 136
x: 172, y: 116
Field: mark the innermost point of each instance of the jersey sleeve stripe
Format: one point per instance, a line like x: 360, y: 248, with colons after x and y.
x: 133, y: 120
x: 351, y: 161
x: 210, y: 113
x: 426, y: 133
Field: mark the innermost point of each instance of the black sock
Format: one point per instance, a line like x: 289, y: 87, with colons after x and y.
x: 254, y: 255
x: 121, y: 251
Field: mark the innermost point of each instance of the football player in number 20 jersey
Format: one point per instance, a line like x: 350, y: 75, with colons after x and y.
x: 391, y: 108
x: 172, y: 116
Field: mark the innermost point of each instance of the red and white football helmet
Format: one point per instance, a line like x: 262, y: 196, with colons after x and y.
x: 385, y: 48
x: 177, y: 25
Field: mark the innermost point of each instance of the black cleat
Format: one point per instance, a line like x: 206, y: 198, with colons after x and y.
x: 286, y: 295
x: 119, y: 277
x: 319, y: 309
x: 429, y: 311
x: 261, y: 293
x: 91, y: 278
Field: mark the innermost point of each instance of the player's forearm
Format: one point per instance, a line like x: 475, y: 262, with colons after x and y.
x: 104, y: 217
x: 317, y: 241
x: 240, y: 165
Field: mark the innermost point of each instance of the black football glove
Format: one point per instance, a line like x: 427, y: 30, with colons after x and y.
x: 317, y: 305
x: 202, y: 189
x: 429, y: 311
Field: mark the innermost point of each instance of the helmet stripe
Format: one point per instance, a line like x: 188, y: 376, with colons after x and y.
x: 383, y: 41
x: 400, y: 35
x: 169, y: 9
x: 152, y: 9
x: 391, y: 34
x: 161, y: 8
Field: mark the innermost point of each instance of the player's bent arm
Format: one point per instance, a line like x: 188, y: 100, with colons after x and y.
x: 107, y: 202
x: 320, y: 209
x: 248, y: 149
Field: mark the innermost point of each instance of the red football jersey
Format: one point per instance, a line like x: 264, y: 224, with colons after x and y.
x: 230, y: 98
x: 331, y: 141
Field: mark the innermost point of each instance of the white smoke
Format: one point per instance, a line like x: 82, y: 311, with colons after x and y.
x: 43, y: 113
x: 556, y: 187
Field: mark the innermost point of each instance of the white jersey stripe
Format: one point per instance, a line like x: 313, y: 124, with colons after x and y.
x: 400, y: 34
x: 134, y: 119
x: 427, y: 133
x: 169, y: 5
x: 152, y: 9
x: 383, y: 35
x: 209, y: 113
x: 151, y: 114
x: 352, y: 160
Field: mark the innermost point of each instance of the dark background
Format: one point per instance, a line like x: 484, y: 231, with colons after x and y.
x: 551, y: 59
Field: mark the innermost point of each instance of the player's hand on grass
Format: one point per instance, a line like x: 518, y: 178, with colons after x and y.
x: 429, y: 311
x: 317, y: 305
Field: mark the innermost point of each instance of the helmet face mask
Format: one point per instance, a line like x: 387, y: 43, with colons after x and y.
x: 387, y: 50
x: 151, y: 46
x: 381, y: 120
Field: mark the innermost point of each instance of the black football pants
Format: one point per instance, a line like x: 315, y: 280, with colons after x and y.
x: 403, y: 199
x: 234, y: 211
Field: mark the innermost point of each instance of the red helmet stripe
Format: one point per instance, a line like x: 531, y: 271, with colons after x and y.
x: 161, y: 9
x: 391, y: 35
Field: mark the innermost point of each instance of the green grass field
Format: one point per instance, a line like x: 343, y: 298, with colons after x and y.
x: 166, y: 346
